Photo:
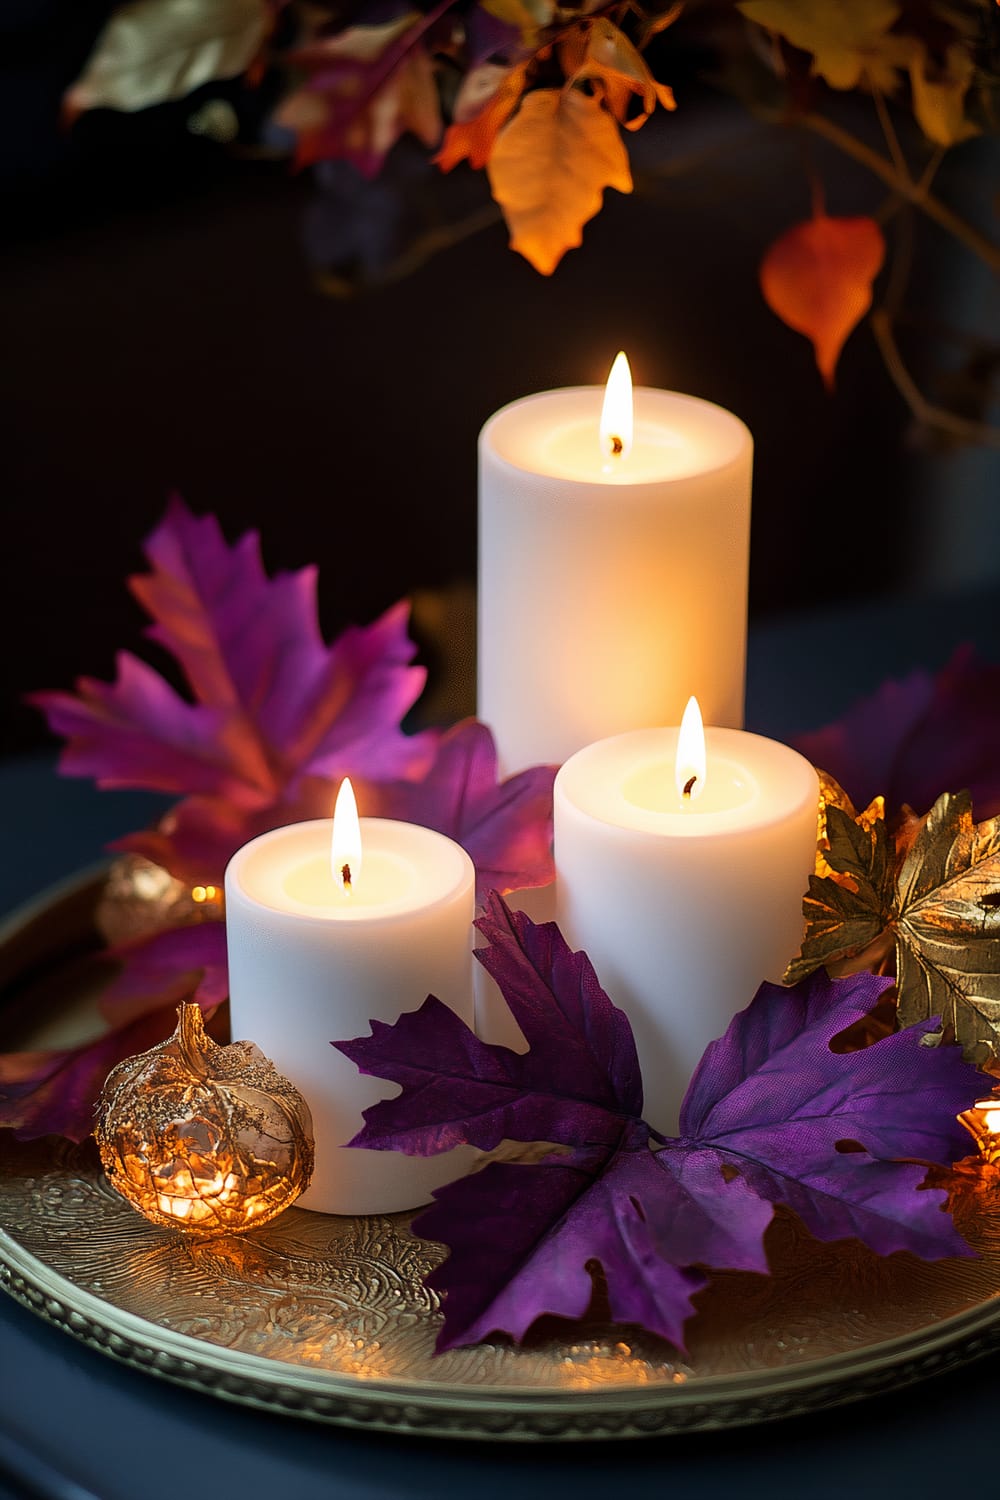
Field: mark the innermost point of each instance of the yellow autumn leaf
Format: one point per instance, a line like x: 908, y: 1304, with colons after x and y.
x: 156, y: 50
x: 549, y: 169
x: 939, y: 94
x: 846, y: 37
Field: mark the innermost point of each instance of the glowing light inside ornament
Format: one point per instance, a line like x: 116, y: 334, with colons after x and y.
x: 345, y: 843
x: 204, y: 1138
x: 202, y: 893
x: 982, y: 1122
x: 690, y: 763
x: 617, y: 422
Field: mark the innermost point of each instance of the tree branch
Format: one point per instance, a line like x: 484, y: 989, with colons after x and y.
x: 913, y: 192
x: 932, y: 416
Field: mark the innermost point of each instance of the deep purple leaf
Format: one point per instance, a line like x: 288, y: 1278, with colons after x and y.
x: 575, y: 1085
x: 772, y: 1094
x: 505, y: 826
x: 912, y: 738
x: 557, y: 1001
x: 521, y: 1238
x: 764, y: 1121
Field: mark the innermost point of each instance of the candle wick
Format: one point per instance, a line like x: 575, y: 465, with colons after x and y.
x: 345, y: 875
x: 617, y: 446
x: 689, y: 786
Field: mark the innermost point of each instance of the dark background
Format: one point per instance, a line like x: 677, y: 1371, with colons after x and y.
x: 163, y: 329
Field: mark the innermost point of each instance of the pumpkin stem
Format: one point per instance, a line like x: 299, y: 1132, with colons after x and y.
x: 190, y: 1035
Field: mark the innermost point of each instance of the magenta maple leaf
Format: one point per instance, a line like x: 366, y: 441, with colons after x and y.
x: 911, y: 738
x: 506, y: 827
x: 179, y: 963
x: 765, y: 1114
x: 54, y: 1092
x: 273, y: 706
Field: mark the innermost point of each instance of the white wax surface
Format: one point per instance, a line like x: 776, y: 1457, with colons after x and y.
x: 610, y: 589
x: 310, y: 964
x: 683, y: 909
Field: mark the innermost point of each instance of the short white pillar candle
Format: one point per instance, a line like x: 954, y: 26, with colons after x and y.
x: 684, y: 905
x: 311, y: 963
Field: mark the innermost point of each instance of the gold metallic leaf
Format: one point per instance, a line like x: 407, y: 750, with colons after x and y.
x: 947, y: 925
x: 848, y: 910
x: 832, y: 794
x: 141, y: 898
x: 941, y: 916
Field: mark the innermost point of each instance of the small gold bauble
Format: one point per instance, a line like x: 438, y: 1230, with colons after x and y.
x: 141, y: 898
x: 201, y: 1137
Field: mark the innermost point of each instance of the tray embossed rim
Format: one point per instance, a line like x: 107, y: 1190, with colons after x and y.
x: 496, y: 1411
x: 710, y: 1402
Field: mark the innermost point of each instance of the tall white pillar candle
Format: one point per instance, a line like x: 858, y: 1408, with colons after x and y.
x: 311, y: 963
x: 610, y: 586
x: 684, y: 906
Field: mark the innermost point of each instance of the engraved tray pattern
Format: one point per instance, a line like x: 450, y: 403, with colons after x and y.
x: 328, y: 1317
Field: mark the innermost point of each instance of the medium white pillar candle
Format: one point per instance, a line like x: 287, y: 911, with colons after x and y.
x: 311, y: 964
x: 610, y: 586
x: 684, y: 907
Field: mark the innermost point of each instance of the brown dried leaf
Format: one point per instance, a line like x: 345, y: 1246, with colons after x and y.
x: 602, y: 52
x: 549, y: 169
x: 818, y: 279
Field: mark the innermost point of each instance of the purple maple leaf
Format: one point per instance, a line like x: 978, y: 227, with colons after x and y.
x: 914, y: 737
x: 765, y: 1114
x: 273, y: 706
x: 506, y: 826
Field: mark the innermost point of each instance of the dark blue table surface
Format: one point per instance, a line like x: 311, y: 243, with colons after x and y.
x: 121, y: 1435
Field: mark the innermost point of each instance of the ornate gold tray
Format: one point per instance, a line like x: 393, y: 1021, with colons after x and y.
x: 328, y: 1318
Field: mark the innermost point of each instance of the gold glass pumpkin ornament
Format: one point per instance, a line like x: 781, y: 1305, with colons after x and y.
x: 201, y: 1137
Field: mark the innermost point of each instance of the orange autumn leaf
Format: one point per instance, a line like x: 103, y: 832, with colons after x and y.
x: 476, y: 125
x: 818, y: 279
x: 549, y: 169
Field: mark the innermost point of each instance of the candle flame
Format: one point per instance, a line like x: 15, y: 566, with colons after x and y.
x: 689, y: 768
x: 345, y: 844
x: 616, y: 413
